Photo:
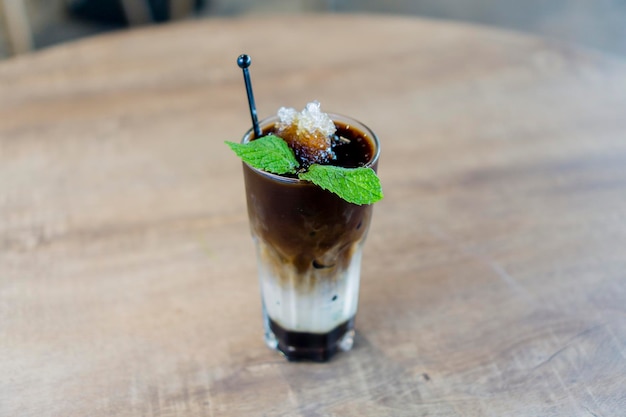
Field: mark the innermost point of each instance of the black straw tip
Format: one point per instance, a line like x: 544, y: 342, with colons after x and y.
x: 244, y: 61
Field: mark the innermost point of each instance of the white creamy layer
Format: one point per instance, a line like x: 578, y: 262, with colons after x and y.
x: 318, y: 306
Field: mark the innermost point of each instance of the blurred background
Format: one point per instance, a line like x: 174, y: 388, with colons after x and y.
x: 35, y: 24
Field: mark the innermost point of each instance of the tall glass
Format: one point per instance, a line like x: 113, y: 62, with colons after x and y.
x: 309, y: 244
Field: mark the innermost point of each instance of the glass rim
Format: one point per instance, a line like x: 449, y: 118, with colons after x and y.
x: 369, y: 133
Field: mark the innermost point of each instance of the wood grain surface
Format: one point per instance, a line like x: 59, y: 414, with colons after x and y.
x: 494, y: 278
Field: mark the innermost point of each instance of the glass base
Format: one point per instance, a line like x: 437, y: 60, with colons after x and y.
x: 301, y: 346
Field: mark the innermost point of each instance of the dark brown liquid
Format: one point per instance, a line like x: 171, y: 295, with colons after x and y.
x: 298, y: 346
x: 304, y: 223
x: 352, y: 152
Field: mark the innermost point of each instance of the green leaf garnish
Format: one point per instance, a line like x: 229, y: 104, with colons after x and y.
x: 355, y: 185
x: 272, y: 154
x: 269, y: 153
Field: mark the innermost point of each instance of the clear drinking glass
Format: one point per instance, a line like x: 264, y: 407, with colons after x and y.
x: 309, y: 244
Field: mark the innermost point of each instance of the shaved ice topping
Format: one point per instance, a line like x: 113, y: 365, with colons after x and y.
x: 308, y: 133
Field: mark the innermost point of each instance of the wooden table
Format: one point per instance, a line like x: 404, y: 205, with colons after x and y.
x: 494, y: 278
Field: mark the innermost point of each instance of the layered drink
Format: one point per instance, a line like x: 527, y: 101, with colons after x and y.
x: 309, y: 240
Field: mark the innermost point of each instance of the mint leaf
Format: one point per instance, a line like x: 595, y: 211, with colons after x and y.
x: 355, y: 185
x: 269, y: 153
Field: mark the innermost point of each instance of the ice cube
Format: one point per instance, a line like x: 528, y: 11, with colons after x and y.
x: 308, y: 133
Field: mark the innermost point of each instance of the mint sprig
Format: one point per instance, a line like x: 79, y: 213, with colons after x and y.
x: 269, y: 153
x: 272, y: 154
x: 355, y: 185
